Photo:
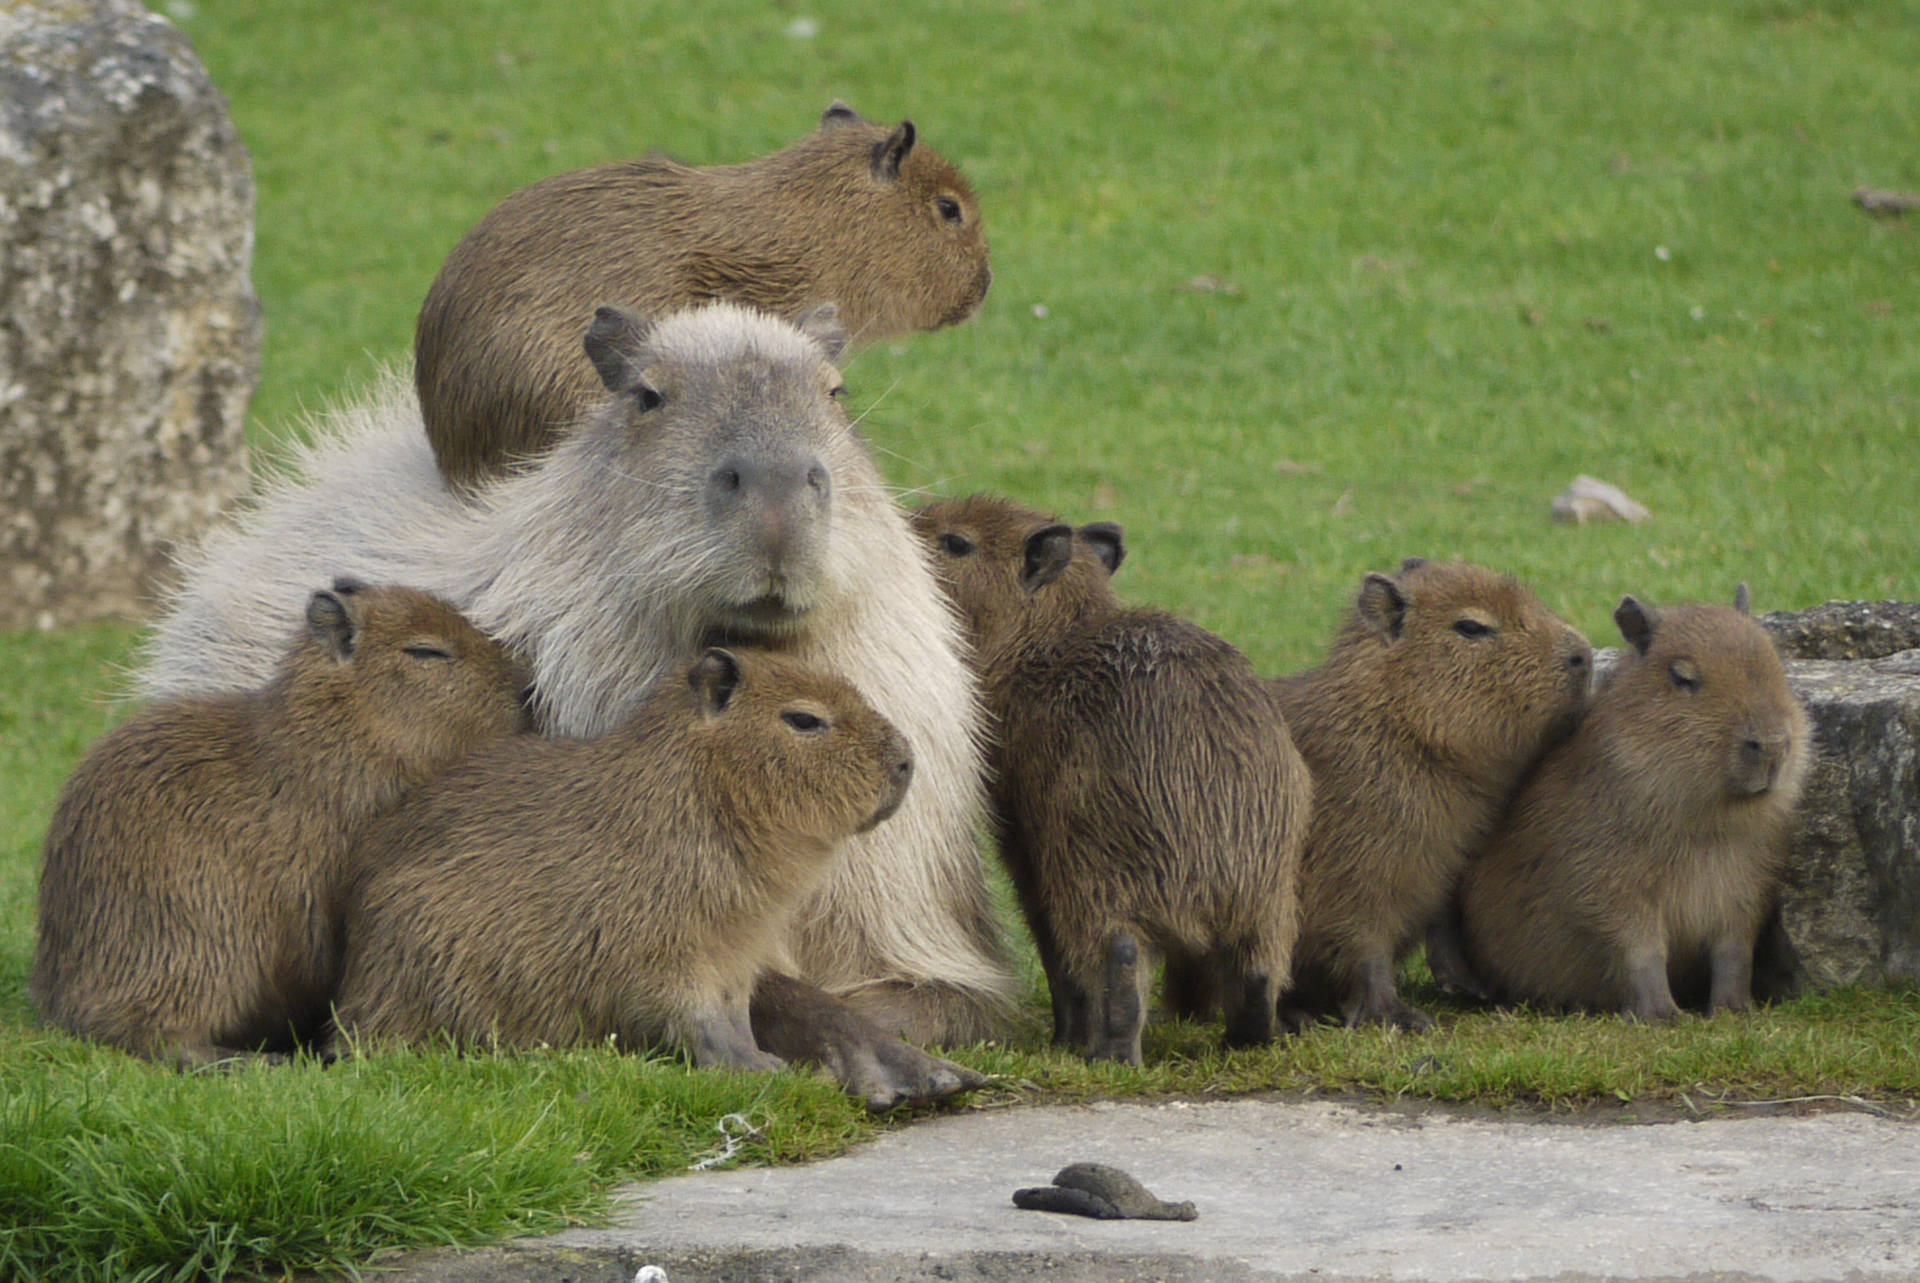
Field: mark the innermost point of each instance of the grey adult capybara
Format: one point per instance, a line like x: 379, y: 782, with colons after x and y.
x: 189, y: 899
x: 854, y: 214
x: 1147, y: 793
x: 718, y: 493
x: 1644, y: 854
x: 1444, y: 684
x: 630, y: 887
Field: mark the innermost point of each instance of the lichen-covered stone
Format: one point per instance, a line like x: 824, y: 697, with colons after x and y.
x: 129, y: 331
x: 1845, y: 630
x: 1850, y: 905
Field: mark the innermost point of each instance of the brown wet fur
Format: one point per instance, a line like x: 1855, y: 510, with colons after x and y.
x: 189, y: 895
x: 1643, y: 856
x: 631, y: 887
x: 855, y: 214
x: 1443, y: 685
x: 1147, y: 794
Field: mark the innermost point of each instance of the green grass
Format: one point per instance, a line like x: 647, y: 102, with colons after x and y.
x: 1851, y: 1046
x: 111, y: 1169
x: 1290, y: 289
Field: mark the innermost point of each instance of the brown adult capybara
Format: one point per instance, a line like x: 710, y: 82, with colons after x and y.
x: 1644, y: 854
x: 190, y: 894
x: 1147, y: 794
x: 630, y: 887
x: 718, y: 494
x: 1443, y: 686
x: 854, y: 214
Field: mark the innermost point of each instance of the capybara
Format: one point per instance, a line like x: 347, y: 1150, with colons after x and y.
x: 1644, y: 854
x: 719, y: 493
x: 189, y: 901
x: 1444, y: 684
x: 854, y: 214
x: 1146, y: 792
x: 630, y: 887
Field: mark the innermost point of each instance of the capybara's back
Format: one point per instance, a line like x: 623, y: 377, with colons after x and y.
x: 189, y: 892
x: 1644, y: 854
x: 854, y: 214
x: 629, y: 887
x: 1443, y: 685
x: 1148, y: 794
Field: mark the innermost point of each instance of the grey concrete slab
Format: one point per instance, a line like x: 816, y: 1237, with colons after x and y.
x: 1292, y: 1191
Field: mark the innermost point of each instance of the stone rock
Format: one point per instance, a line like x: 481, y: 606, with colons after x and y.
x: 1850, y: 903
x: 1845, y: 630
x: 129, y: 331
x: 1591, y: 499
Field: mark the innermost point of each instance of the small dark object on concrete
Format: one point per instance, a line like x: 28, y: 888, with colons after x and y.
x: 1887, y: 204
x: 1102, y: 1192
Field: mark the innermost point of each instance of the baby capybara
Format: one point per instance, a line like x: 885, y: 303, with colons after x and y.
x: 1147, y: 795
x: 189, y: 897
x: 1644, y: 854
x: 1444, y: 684
x: 629, y: 887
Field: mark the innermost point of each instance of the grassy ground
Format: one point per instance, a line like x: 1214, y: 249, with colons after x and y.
x: 1290, y: 290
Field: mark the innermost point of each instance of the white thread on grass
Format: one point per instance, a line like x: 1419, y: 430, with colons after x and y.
x: 731, y: 1138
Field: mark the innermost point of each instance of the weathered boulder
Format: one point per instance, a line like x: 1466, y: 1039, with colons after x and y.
x: 129, y: 331
x: 1845, y: 630
x: 1850, y: 905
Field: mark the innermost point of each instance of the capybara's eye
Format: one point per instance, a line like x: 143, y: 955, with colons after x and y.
x: 648, y: 398
x: 1471, y: 628
x: 955, y: 545
x: 950, y: 210
x: 805, y: 723
x: 427, y: 652
x: 1685, y: 675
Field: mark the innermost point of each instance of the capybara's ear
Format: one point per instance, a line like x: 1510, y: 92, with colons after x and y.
x: 1108, y: 542
x: 838, y: 114
x: 714, y: 679
x: 331, y: 624
x: 822, y: 325
x: 1637, y: 622
x: 1049, y: 551
x: 1742, y: 599
x: 891, y: 153
x: 615, y: 343
x: 346, y: 585
x: 1411, y: 563
x: 1382, y: 606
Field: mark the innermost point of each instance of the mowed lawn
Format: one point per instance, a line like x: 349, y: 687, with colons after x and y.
x: 1291, y: 290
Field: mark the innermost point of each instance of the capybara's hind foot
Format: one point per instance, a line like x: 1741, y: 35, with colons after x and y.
x: 889, y: 1073
x: 800, y: 1022
x: 1394, y: 1015
x: 1251, y: 1021
x: 1406, y: 1019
